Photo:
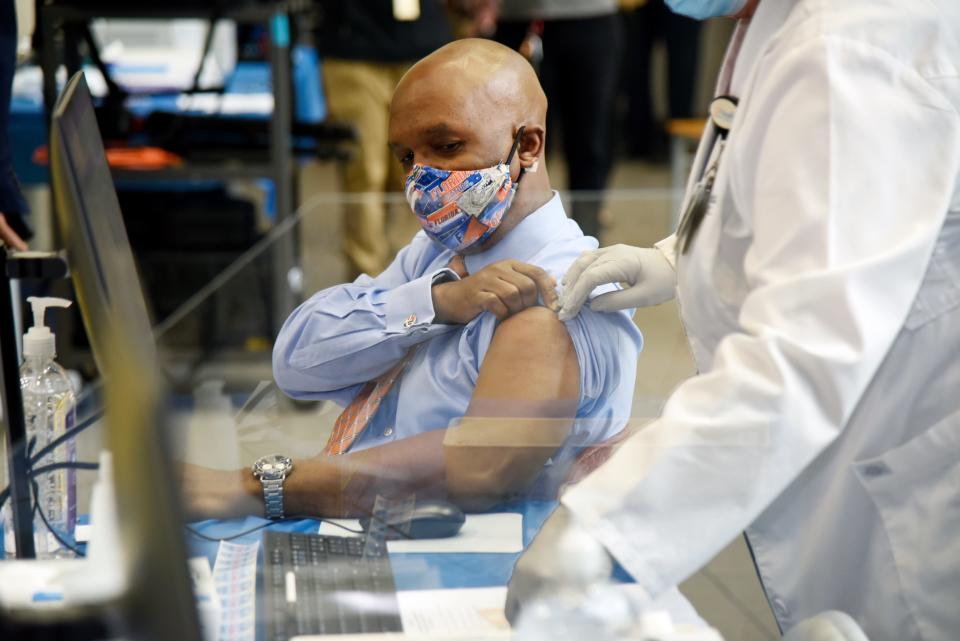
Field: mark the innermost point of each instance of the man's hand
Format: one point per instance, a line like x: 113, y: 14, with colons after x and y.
x: 209, y: 493
x: 647, y: 274
x: 562, y: 557
x: 502, y: 288
x: 10, y: 237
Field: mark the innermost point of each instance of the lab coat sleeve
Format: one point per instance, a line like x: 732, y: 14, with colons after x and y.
x: 349, y: 334
x: 844, y: 167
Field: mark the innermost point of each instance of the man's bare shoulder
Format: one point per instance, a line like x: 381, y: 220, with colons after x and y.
x: 531, y: 361
x: 534, y: 324
x: 531, y: 338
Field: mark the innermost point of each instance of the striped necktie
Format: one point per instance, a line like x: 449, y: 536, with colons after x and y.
x: 356, y: 416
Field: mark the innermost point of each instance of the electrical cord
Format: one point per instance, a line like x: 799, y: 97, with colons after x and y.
x: 87, y: 423
x: 66, y: 465
x: 69, y: 434
x: 43, y: 517
x: 5, y: 493
x: 218, y: 539
x: 89, y: 466
x: 33, y: 459
x: 51, y: 467
x: 295, y: 517
x: 35, y: 487
x: 335, y: 524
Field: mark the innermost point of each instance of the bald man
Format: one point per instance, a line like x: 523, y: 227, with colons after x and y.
x: 456, y: 376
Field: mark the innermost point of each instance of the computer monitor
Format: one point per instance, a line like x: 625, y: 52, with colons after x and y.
x: 159, y: 604
x: 88, y: 214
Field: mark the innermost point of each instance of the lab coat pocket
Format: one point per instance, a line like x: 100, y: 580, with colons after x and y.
x: 916, y: 489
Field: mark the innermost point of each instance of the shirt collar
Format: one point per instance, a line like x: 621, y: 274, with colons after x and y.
x: 524, y: 241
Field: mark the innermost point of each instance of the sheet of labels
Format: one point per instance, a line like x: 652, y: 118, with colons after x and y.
x: 235, y: 578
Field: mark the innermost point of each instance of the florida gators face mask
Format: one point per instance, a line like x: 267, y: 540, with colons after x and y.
x: 460, y: 209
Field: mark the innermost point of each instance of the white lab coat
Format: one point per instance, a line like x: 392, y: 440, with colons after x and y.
x: 821, y: 298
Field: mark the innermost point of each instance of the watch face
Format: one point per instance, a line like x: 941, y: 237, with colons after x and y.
x: 273, y: 466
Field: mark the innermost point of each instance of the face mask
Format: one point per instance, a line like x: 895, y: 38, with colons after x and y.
x: 703, y: 9
x: 460, y: 209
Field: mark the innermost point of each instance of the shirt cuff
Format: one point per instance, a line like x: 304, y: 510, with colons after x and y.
x: 409, y: 307
x: 668, y: 247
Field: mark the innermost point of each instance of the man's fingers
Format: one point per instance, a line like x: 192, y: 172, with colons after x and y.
x: 11, y: 237
x: 525, y: 287
x: 580, y: 264
x: 490, y: 302
x: 510, y: 294
x: 546, y: 283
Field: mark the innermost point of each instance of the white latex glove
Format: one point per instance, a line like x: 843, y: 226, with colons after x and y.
x: 563, y: 557
x: 648, y: 275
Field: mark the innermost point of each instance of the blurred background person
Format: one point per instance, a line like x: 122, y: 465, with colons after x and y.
x: 577, y: 45
x: 13, y: 229
x: 647, y: 23
x: 365, y: 48
x: 473, y: 18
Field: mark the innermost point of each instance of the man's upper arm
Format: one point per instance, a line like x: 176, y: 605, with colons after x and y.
x: 522, y: 409
x: 529, y: 370
x: 538, y: 367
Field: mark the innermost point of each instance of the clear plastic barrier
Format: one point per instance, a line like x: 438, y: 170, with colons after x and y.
x: 425, y: 452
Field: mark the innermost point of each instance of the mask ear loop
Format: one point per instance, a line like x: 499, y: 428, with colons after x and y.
x: 513, y: 150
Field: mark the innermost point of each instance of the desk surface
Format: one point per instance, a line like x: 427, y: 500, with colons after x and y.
x: 411, y: 571
x: 431, y: 571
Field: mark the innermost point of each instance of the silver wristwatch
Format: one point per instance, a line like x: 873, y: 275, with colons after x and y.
x: 272, y: 471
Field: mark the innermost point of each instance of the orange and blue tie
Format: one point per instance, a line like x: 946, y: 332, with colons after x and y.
x: 356, y: 416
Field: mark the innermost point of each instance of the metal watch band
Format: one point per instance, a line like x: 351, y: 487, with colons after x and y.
x: 273, y: 498
x: 445, y: 275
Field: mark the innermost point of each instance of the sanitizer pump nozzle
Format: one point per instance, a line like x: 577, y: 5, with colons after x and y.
x: 39, y: 340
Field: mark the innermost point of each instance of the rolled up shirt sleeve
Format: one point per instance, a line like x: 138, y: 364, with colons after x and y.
x: 607, y: 347
x: 349, y: 334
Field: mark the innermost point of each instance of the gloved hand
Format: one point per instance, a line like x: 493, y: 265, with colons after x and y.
x: 649, y: 277
x: 562, y: 557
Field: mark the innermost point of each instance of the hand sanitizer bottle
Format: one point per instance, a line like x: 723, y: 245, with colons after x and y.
x: 49, y: 409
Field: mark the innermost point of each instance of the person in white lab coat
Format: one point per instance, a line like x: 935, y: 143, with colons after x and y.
x: 820, y: 290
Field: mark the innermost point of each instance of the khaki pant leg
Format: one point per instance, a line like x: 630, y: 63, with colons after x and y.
x: 359, y: 93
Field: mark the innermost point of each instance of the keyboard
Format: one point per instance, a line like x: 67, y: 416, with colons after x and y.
x: 317, y: 584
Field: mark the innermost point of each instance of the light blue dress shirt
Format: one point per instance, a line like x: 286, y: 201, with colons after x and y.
x: 349, y: 334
